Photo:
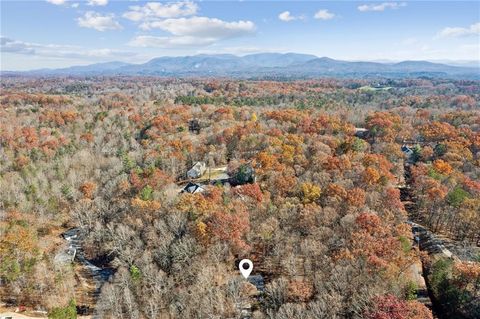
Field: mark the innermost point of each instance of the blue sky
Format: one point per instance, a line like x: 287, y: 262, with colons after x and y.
x: 60, y: 33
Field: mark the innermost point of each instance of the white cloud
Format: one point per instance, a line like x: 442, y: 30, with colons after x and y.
x: 57, y: 2
x: 98, y: 22
x: 286, y: 16
x: 170, y: 42
x: 192, y: 32
x: 324, y: 15
x: 13, y: 46
x: 184, y: 28
x: 75, y: 5
x: 97, y: 2
x: 381, y: 6
x: 202, y: 27
x: 9, y: 45
x: 156, y: 10
x: 452, y: 32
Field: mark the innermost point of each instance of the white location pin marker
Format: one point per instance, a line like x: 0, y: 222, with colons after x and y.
x: 246, y: 267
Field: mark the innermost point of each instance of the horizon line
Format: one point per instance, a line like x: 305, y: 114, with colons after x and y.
x: 457, y: 63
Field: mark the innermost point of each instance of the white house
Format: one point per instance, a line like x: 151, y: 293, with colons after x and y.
x: 197, y: 170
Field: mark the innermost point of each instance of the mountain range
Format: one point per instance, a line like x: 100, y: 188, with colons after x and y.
x: 262, y: 65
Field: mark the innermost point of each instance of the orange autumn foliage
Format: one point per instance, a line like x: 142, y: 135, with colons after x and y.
x: 299, y: 290
x: 390, y: 307
x: 230, y: 226
x: 442, y: 167
x: 356, y: 197
x: 250, y: 190
x: 371, y: 176
x: 147, y: 205
x: 335, y: 190
x: 21, y: 161
x: 87, y: 137
x: 87, y: 189
x: 384, y: 125
x: 153, y: 177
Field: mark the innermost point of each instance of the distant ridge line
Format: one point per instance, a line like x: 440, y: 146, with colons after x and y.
x: 261, y: 65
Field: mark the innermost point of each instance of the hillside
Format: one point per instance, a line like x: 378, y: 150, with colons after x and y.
x: 290, y: 65
x: 136, y: 197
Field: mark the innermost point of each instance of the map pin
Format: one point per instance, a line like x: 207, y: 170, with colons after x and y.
x: 246, y: 267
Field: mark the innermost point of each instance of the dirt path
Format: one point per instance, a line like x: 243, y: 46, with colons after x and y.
x: 90, y: 278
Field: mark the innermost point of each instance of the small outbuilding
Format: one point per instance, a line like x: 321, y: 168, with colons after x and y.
x: 194, y: 126
x: 407, y: 151
x: 257, y: 281
x: 192, y: 188
x: 361, y: 132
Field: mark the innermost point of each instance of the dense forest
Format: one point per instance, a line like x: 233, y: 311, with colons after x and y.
x: 305, y: 178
